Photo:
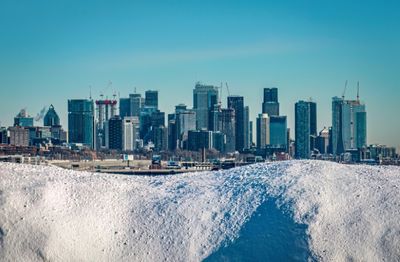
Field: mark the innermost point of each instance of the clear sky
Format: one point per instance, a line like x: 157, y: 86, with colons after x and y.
x: 51, y: 51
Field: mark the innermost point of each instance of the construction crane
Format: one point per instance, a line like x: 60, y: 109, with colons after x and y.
x: 344, y: 91
x: 220, y: 94
x: 227, y: 89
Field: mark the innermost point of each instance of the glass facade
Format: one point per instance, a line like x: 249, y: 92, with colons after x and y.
x: 81, y: 121
x: 51, y: 118
x: 302, y: 130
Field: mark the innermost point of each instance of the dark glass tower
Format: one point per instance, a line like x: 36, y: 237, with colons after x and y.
x: 151, y: 99
x: 81, y: 121
x: 115, y: 133
x: 51, y: 118
x: 302, y: 130
x: 270, y: 105
x: 237, y: 103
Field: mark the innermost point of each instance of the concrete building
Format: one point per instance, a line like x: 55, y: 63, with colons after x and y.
x: 322, y: 143
x: 263, y: 135
x: 19, y: 136
x: 130, y: 132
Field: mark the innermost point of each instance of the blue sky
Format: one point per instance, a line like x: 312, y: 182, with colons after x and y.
x: 54, y: 50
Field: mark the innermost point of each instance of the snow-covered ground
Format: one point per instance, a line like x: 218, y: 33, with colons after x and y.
x: 343, y: 213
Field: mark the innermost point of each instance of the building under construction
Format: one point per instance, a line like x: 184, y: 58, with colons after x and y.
x: 105, y: 109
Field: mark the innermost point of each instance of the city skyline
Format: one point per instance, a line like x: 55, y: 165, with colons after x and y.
x: 304, y: 55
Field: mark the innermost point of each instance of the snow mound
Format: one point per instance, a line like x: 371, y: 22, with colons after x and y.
x: 48, y: 213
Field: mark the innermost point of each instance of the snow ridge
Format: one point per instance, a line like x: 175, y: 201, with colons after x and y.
x: 48, y: 213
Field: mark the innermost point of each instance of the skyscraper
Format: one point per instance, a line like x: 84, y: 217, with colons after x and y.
x: 51, y: 118
x: 160, y: 138
x: 185, y: 122
x: 124, y: 107
x: 263, y: 136
x: 313, y: 125
x: 130, y: 131
x: 204, y: 99
x: 349, y: 125
x: 278, y: 133
x: 81, y: 121
x: 114, y: 134
x: 136, y: 104
x: 228, y: 128
x: 237, y: 103
x: 246, y: 130
x: 302, y: 129
x: 151, y: 98
x: 270, y: 104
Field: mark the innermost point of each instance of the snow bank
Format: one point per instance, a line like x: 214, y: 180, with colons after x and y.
x: 48, y: 213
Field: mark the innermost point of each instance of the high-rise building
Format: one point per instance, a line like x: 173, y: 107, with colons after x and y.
x: 199, y: 139
x: 151, y: 98
x: 204, y: 99
x: 114, y: 133
x: 81, y: 122
x: 228, y: 128
x: 218, y: 141
x: 251, y: 133
x: 160, y: 138
x: 263, y: 135
x: 278, y: 132
x: 215, y: 118
x: 349, y: 125
x: 302, y: 130
x: 130, y: 131
x: 19, y: 136
x: 145, y: 121
x: 172, y: 135
x: 185, y: 122
x: 136, y: 104
x: 23, y: 119
x: 51, y: 118
x: 106, y: 109
x: 237, y: 103
x: 124, y: 107
x: 322, y: 142
x: 270, y: 104
x: 246, y: 130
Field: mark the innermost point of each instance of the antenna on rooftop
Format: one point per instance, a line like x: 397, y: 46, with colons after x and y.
x: 358, y: 91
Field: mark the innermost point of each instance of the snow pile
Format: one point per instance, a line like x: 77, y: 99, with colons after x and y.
x: 48, y: 213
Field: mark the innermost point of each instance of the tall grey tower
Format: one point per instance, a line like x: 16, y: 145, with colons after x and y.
x: 204, y: 99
